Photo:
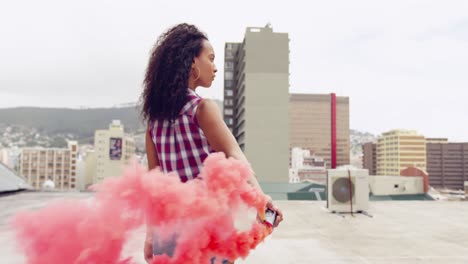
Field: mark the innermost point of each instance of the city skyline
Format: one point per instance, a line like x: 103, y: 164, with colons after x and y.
x: 401, y: 64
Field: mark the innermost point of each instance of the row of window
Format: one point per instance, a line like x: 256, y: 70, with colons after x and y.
x: 390, y: 143
x: 57, y: 173
x: 229, y: 65
x: 58, y: 165
x: 48, y: 162
x: 43, y: 158
x: 65, y: 185
x: 229, y: 54
x: 60, y: 178
x: 380, y: 149
x: 228, y: 102
x: 45, y: 152
x: 229, y: 84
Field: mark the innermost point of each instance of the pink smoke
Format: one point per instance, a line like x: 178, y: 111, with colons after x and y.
x: 201, y: 211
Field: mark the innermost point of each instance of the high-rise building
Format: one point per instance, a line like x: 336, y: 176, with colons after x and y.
x: 113, y: 150
x: 50, y: 166
x: 256, y: 100
x: 447, y: 163
x: 311, y: 125
x: 399, y: 149
x: 369, y: 159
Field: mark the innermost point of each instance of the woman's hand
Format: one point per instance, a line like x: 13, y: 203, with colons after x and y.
x: 279, y: 216
x: 148, y: 251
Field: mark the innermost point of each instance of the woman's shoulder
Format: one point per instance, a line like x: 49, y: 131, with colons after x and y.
x: 208, y: 103
x: 207, y: 106
x: 208, y: 111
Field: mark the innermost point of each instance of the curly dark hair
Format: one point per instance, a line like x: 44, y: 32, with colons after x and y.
x: 166, y: 80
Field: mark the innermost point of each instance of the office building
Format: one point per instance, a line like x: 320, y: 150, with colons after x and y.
x: 256, y: 100
x: 447, y: 164
x: 52, y: 167
x: 320, y: 122
x: 400, y: 149
x: 113, y: 150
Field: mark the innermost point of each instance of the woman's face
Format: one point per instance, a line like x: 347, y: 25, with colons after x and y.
x: 203, y: 66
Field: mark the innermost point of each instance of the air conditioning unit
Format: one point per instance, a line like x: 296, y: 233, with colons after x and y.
x: 345, y: 196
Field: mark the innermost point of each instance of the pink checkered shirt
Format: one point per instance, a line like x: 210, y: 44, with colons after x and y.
x: 181, y: 147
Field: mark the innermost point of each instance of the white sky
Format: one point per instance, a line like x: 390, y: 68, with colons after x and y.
x: 400, y: 62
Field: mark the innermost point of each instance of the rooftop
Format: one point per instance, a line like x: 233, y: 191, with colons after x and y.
x: 396, y: 232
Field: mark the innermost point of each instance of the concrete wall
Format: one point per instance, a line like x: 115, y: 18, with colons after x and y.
x: 394, y: 185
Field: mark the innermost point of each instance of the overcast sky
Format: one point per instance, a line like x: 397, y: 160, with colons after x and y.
x: 403, y: 64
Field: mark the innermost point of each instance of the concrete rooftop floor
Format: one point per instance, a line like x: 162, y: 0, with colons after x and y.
x: 398, y: 232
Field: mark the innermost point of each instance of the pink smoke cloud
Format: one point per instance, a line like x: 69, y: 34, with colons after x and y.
x: 201, y: 211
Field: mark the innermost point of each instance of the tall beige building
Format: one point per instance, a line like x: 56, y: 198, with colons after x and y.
x: 113, y: 150
x: 399, y: 149
x: 310, y: 126
x: 55, y: 166
x: 256, y: 100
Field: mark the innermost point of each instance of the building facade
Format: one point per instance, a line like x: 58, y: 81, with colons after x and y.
x: 53, y: 167
x: 400, y: 149
x: 369, y: 158
x: 447, y: 164
x: 256, y: 100
x: 230, y: 60
x: 113, y: 150
x: 310, y: 126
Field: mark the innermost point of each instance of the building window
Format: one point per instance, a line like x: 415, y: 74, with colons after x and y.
x: 228, y: 92
x: 228, y: 102
x: 228, y: 111
x: 228, y: 75
x: 229, y: 83
x: 229, y: 54
x: 229, y: 65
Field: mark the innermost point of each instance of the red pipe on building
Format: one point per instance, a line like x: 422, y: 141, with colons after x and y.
x: 333, y: 130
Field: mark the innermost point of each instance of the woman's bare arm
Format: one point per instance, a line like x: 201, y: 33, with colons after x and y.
x: 218, y: 134
x: 151, y: 154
